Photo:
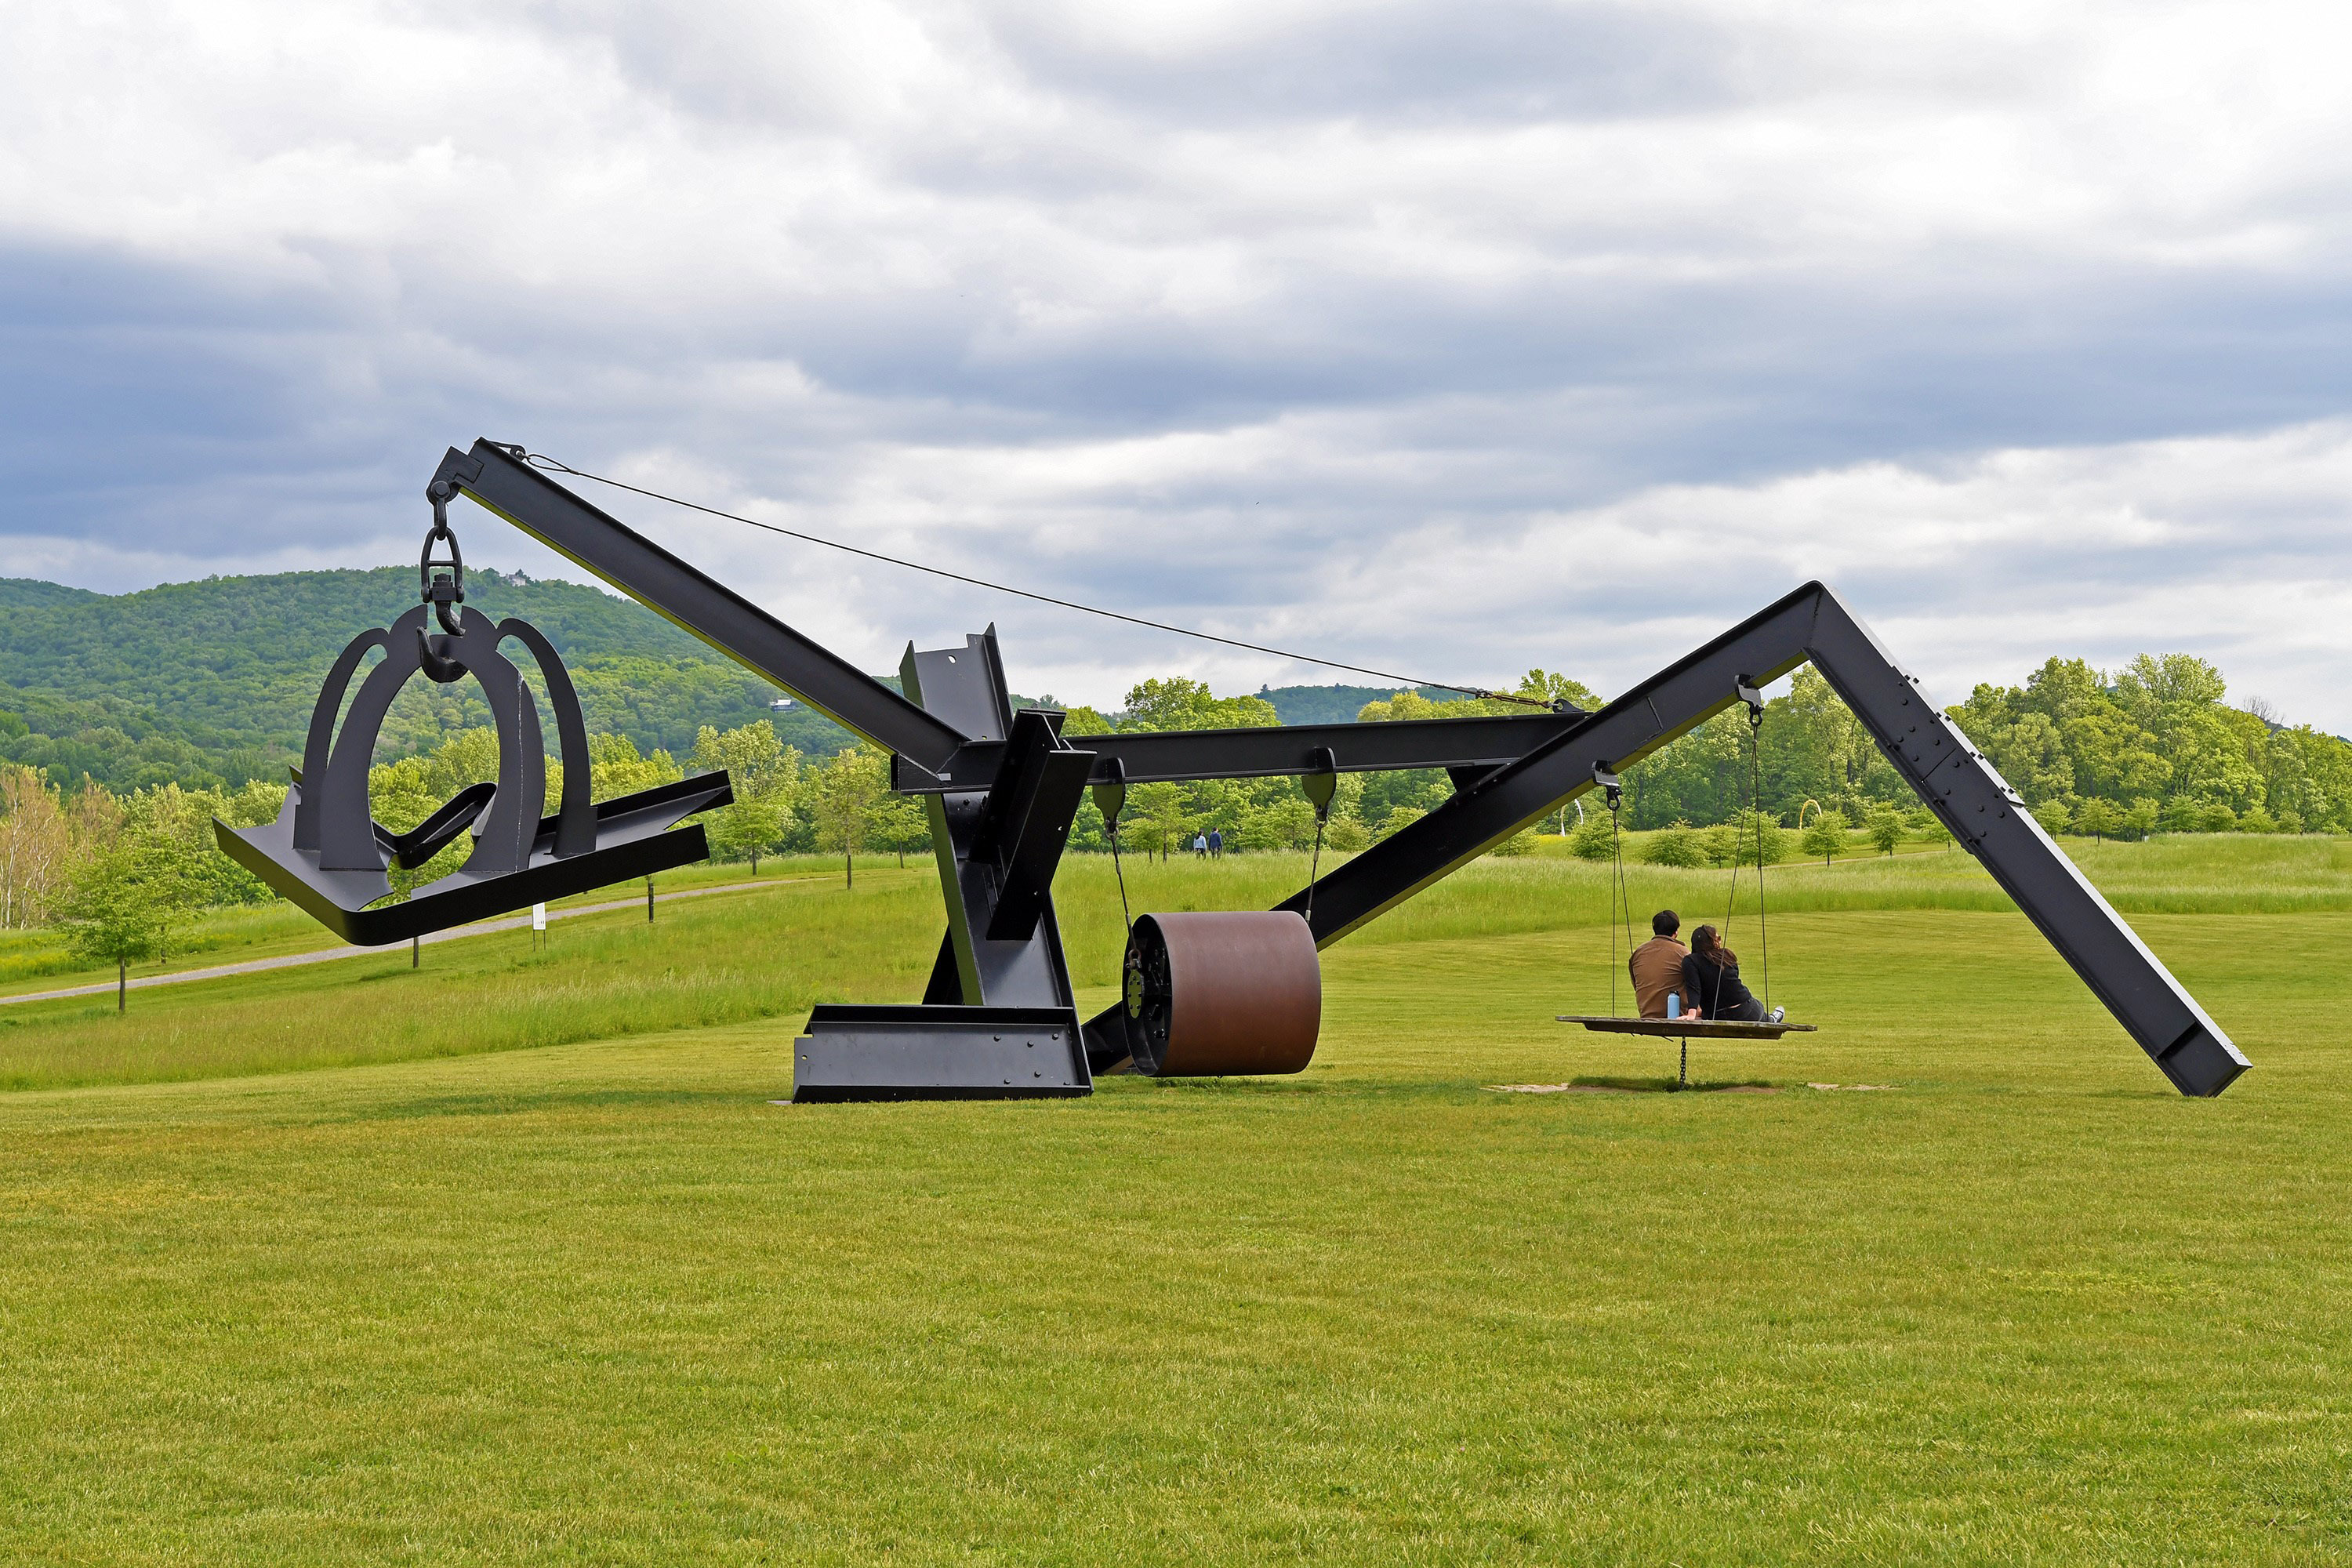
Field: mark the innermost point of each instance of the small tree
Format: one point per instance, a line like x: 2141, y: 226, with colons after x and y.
x: 1886, y: 830
x: 1154, y: 819
x: 1398, y: 819
x: 1758, y: 838
x: 1349, y: 834
x: 2098, y: 819
x: 1825, y: 834
x: 847, y: 789
x: 1678, y: 845
x: 747, y: 829
x: 111, y: 914
x: 2055, y: 816
x: 1592, y: 838
x: 2141, y: 819
x: 901, y: 823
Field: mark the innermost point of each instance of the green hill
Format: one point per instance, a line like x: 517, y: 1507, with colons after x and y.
x: 1336, y: 704
x: 212, y: 682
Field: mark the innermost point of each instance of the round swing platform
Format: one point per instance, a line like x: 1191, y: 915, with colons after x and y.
x: 1689, y: 1028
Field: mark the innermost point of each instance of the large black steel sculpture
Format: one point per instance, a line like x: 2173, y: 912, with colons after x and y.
x: 998, y: 1018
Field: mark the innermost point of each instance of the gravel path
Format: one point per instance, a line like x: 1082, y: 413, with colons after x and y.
x: 330, y: 954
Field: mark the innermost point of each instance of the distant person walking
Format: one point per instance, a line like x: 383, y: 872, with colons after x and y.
x: 1199, y: 846
x: 1216, y: 845
x: 1657, y: 965
x: 1711, y: 986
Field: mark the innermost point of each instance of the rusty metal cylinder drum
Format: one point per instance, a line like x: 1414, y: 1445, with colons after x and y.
x: 1214, y: 993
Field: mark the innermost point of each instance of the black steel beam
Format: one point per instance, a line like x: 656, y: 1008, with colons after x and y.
x: 1176, y: 755
x: 1026, y: 822
x: 1963, y: 790
x: 499, y: 480
x: 972, y: 832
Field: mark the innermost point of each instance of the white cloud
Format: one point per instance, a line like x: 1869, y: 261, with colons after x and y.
x: 1466, y: 337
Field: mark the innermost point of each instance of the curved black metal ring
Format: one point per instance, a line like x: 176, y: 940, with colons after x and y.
x: 575, y: 830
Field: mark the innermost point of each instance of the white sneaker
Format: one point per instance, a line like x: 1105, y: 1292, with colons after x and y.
x: 1776, y: 1015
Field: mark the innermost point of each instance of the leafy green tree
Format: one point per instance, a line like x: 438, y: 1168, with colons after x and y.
x: 1761, y: 838
x: 2098, y: 819
x: 2141, y: 819
x: 1349, y: 835
x: 846, y: 792
x: 2031, y: 755
x: 1592, y: 838
x: 2217, y: 818
x: 2055, y: 816
x: 1155, y: 818
x: 111, y: 911
x: 615, y: 768
x: 2152, y: 682
x: 757, y: 765
x: 1516, y: 846
x: 1677, y: 843
x: 1178, y: 703
x: 1825, y: 834
x: 747, y: 828
x: 901, y: 823
x: 1397, y: 821
x: 2112, y: 756
x: 1886, y: 830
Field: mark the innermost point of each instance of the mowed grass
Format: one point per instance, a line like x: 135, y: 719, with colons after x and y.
x: 600, y: 1301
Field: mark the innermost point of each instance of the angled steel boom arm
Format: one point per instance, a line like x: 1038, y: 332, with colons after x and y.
x: 1962, y: 789
x: 498, y: 479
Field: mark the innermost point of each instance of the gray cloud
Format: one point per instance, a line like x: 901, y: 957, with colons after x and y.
x: 1269, y: 317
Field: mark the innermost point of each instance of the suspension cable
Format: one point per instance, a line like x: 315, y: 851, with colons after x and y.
x: 542, y: 461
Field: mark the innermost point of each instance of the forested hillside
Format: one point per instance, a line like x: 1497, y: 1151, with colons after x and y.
x: 212, y: 682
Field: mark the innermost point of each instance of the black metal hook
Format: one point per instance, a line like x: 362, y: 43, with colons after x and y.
x: 444, y: 593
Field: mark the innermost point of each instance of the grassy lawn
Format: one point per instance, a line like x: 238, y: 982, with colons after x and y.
x: 600, y: 1301
x: 33, y: 960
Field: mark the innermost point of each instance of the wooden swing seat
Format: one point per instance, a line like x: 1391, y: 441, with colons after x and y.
x: 1689, y: 1028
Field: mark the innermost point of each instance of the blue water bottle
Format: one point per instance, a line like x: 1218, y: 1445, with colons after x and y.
x: 1674, y: 1003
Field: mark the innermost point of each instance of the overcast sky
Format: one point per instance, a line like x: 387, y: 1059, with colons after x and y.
x: 1449, y: 339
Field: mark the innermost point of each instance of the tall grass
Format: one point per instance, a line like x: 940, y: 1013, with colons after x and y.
x: 764, y: 953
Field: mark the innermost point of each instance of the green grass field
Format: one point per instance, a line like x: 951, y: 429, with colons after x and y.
x: 443, y: 1298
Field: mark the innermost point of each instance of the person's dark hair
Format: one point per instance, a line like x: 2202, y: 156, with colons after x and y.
x: 1707, y: 944
x: 1665, y: 922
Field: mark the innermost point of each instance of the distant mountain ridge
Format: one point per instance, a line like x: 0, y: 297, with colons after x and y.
x: 212, y: 682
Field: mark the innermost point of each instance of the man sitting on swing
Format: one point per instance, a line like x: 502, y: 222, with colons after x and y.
x: 1656, y: 965
x: 1711, y: 987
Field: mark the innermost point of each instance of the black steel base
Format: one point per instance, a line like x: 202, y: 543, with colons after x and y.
x: 853, y: 1052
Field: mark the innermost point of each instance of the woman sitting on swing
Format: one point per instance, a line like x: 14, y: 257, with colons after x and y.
x: 1711, y: 987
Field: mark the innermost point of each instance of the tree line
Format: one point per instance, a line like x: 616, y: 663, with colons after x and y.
x: 2152, y: 747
